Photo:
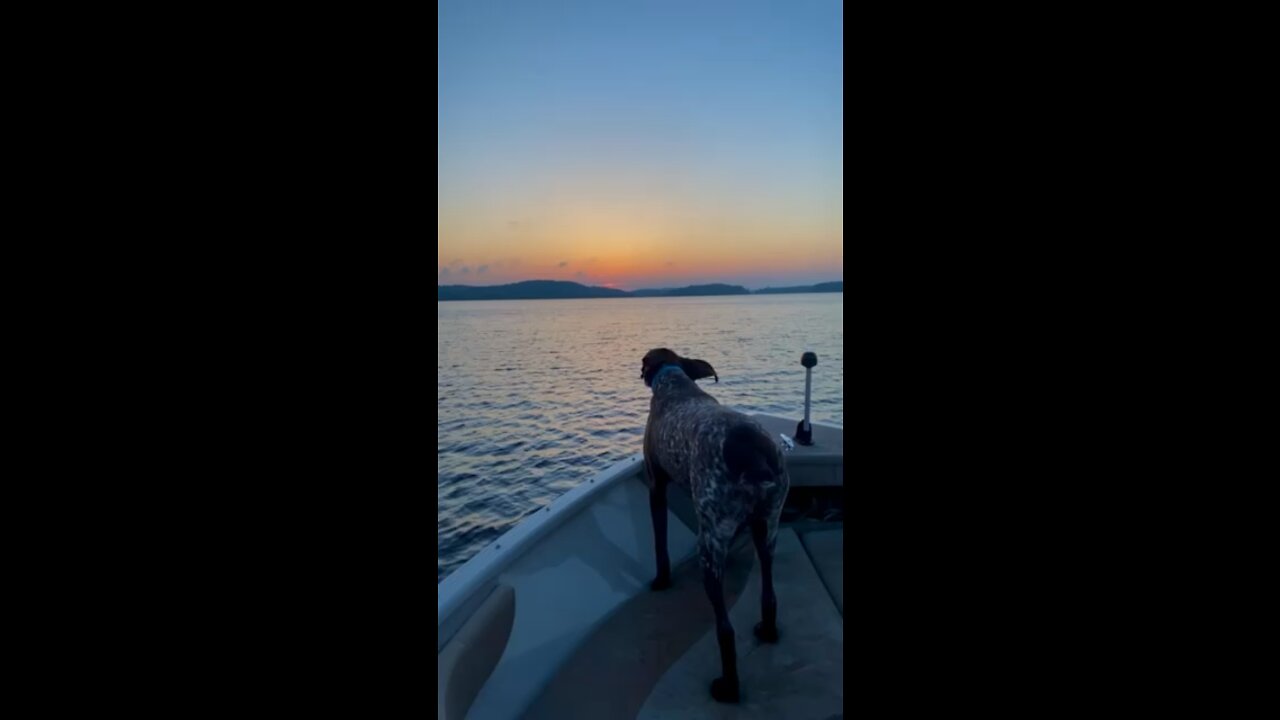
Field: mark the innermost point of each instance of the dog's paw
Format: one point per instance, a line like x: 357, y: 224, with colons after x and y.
x: 661, y: 583
x: 767, y: 633
x: 724, y: 691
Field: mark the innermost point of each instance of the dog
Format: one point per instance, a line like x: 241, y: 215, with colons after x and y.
x: 736, y: 476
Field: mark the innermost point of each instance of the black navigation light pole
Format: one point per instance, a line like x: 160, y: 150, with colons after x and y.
x: 804, y: 431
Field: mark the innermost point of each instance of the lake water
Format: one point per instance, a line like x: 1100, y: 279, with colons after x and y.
x: 536, y: 396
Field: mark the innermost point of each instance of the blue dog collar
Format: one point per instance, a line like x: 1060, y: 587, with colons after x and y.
x: 662, y: 371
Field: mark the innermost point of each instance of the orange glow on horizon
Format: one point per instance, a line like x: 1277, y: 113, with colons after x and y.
x: 629, y: 273
x: 649, y: 239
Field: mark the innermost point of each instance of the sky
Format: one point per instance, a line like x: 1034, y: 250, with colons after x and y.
x: 640, y: 143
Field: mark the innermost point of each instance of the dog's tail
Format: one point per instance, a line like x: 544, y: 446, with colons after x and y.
x: 753, y: 457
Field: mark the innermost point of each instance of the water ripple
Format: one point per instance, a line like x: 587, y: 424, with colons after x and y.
x: 536, y: 397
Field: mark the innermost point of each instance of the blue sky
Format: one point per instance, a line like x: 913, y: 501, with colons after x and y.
x: 640, y: 143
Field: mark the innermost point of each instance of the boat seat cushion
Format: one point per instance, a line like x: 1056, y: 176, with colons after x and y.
x: 465, y: 663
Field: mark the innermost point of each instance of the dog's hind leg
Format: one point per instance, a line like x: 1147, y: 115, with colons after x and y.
x: 764, y: 533
x: 658, y: 512
x: 724, y: 688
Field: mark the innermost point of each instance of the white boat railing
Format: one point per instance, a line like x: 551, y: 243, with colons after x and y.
x: 482, y: 569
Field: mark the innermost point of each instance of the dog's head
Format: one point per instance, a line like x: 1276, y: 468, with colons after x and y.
x: 656, y: 358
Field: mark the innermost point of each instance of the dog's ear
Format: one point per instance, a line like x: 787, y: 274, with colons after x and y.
x: 698, y: 369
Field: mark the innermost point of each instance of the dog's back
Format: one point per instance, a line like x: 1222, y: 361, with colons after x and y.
x: 723, y: 458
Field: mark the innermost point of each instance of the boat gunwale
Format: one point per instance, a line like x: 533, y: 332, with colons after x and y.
x: 488, y: 563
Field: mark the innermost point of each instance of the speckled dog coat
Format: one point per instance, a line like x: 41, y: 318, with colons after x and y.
x: 736, y: 476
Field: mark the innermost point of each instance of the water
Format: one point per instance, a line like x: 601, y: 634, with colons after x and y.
x: 536, y: 396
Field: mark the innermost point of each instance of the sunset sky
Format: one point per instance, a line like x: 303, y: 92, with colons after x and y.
x: 640, y: 143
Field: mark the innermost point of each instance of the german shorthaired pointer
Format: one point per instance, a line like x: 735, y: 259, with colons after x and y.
x: 737, y: 478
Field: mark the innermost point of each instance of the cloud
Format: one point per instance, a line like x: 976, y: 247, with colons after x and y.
x: 563, y: 263
x: 482, y: 269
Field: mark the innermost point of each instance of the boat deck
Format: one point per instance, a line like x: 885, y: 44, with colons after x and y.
x: 654, y: 658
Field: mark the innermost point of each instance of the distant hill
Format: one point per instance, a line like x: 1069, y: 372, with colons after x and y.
x: 560, y: 289
x: 837, y: 286
x: 527, y: 290
x: 715, y: 289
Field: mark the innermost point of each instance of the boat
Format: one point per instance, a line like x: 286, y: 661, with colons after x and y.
x: 555, y: 618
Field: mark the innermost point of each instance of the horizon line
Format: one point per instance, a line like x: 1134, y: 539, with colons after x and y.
x: 647, y: 287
